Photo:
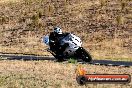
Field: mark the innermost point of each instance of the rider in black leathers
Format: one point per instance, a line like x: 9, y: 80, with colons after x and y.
x: 54, y: 42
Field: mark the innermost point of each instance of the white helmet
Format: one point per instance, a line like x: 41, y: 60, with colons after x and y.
x: 58, y: 30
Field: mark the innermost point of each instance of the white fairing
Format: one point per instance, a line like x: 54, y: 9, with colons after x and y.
x: 46, y: 39
x: 74, y: 43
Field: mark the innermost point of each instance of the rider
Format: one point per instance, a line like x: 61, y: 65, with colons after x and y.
x: 55, y: 38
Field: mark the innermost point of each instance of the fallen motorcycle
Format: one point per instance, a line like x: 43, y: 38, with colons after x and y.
x: 74, y: 49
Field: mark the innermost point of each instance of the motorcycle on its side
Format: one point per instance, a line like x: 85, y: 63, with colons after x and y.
x: 73, y: 50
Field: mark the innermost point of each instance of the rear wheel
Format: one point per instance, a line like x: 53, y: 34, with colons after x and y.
x: 83, y: 54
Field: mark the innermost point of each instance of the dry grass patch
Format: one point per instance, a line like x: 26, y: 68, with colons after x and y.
x: 9, y: 1
x: 23, y: 24
x: 50, y: 74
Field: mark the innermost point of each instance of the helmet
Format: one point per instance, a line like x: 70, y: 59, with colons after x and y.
x: 57, y: 30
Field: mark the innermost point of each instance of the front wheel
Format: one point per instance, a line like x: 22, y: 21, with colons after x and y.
x: 83, y: 54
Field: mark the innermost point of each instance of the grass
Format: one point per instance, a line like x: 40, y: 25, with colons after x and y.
x: 102, y: 2
x: 50, y: 74
x: 72, y: 60
x: 9, y: 1
x: 120, y: 20
x: 105, y: 31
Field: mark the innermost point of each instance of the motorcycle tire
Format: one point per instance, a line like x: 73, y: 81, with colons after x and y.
x: 83, y: 54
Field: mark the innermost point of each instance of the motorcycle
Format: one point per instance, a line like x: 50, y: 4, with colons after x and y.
x: 73, y: 50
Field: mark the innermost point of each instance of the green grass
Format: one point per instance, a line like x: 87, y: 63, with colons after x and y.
x: 72, y: 60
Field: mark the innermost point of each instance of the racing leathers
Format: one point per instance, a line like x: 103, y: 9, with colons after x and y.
x: 54, y: 42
